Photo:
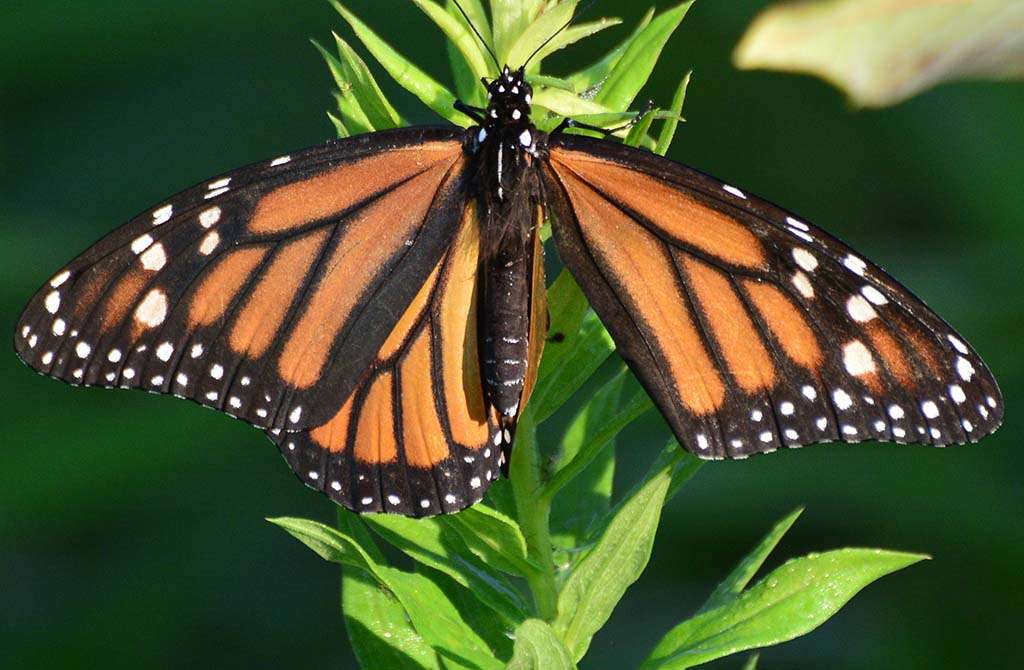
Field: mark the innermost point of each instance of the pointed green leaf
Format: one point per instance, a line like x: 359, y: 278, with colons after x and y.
x: 459, y: 34
x: 632, y: 71
x: 494, y: 631
x: 363, y: 85
x: 668, y: 129
x: 884, y: 51
x: 339, y: 126
x: 437, y: 620
x: 574, y: 34
x: 600, y: 420
x: 586, y: 349
x: 564, y: 103
x: 618, y: 557
x: 538, y: 648
x: 352, y: 115
x: 403, y: 71
x: 378, y: 627
x: 478, y: 15
x: 509, y: 18
x: 540, y: 30
x: 436, y: 546
x: 751, y: 663
x: 741, y: 575
x: 638, y: 131
x: 792, y: 600
x: 493, y: 537
x: 559, y: 373
x: 592, y: 76
x: 467, y: 85
x: 328, y: 543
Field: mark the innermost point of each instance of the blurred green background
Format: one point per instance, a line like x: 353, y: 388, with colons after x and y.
x: 131, y: 526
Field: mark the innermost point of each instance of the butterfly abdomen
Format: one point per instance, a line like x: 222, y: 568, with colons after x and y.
x: 505, y: 326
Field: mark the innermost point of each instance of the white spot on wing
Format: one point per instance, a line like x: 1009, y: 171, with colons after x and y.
x: 209, y: 217
x: 128, y: 373
x: 52, y: 302
x: 930, y: 409
x: 164, y: 351
x: 58, y: 327
x: 295, y: 414
x: 154, y: 258
x: 855, y: 264
x: 803, y: 284
x: 896, y: 412
x: 787, y: 408
x: 873, y: 295
x: 964, y: 369
x: 805, y: 259
x: 860, y: 310
x: 141, y: 243
x: 153, y: 309
x: 216, y: 370
x: 209, y: 243
x: 735, y: 191
x: 842, y: 399
x: 957, y: 344
x: 857, y: 358
x: 60, y: 278
x: 809, y: 392
x: 82, y: 349
x: 797, y: 223
x: 280, y: 160
x: 474, y: 482
x: 162, y: 215
x: 957, y: 394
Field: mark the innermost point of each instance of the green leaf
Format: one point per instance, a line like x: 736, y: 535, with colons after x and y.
x: 574, y: 34
x: 339, y: 126
x: 509, y: 19
x: 541, y: 29
x: 741, y: 575
x: 599, y: 421
x: 477, y: 14
x: 594, y: 75
x: 638, y: 131
x: 493, y: 537
x: 378, y: 627
x: 751, y: 663
x: 563, y: 103
x: 881, y: 52
x: 437, y: 620
x: 792, y: 600
x: 438, y: 547
x: 572, y: 352
x: 355, y: 80
x: 467, y: 85
x: 495, y: 631
x: 459, y: 34
x: 616, y: 561
x: 632, y: 71
x: 668, y: 130
x: 328, y: 543
x: 538, y: 648
x: 403, y: 71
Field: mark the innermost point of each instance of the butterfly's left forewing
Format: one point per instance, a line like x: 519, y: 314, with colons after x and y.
x: 264, y: 293
x: 751, y: 329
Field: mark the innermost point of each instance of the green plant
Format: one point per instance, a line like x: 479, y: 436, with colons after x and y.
x: 527, y: 578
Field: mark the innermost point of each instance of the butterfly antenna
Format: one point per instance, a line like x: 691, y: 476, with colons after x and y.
x: 494, y: 58
x: 558, y: 32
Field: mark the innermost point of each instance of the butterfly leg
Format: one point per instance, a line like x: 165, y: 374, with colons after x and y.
x: 568, y: 122
x: 475, y: 113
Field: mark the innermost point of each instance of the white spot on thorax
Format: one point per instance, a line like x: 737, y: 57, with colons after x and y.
x: 525, y: 138
x: 482, y: 135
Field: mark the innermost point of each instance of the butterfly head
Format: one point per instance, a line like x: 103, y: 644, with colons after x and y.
x: 508, y: 103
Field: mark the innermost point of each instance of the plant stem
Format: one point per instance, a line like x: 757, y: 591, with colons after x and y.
x: 534, y: 512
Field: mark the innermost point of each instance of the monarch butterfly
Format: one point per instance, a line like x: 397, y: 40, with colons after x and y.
x: 376, y: 305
